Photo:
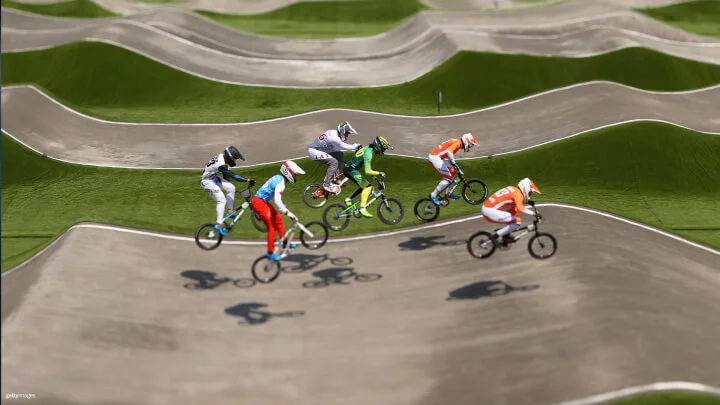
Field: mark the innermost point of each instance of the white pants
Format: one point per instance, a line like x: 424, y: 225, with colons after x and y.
x: 333, y: 160
x: 442, y: 166
x: 503, y: 217
x: 213, y: 187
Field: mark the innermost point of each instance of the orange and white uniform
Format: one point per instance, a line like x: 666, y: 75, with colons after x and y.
x: 505, y: 206
x: 442, y: 158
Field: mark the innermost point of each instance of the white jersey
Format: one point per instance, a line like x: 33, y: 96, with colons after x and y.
x: 213, y: 167
x: 329, y: 141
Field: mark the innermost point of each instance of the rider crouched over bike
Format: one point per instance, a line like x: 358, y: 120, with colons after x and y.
x: 505, y: 206
x: 363, y: 158
x: 274, y: 188
x: 442, y: 159
x: 328, y: 149
x: 215, y: 186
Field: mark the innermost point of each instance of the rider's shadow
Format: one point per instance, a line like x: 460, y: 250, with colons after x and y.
x: 339, y: 275
x: 207, y: 280
x: 483, y: 289
x: 204, y: 280
x: 307, y: 261
x: 251, y: 313
x: 426, y: 242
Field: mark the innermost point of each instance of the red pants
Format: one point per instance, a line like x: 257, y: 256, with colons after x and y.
x: 271, y: 218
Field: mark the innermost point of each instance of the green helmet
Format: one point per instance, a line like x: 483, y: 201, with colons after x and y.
x: 380, y: 145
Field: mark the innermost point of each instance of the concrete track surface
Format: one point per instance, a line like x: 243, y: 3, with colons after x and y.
x: 128, y: 7
x: 107, y: 317
x: 203, y: 48
x: 54, y: 129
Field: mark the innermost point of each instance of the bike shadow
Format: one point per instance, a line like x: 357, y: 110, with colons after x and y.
x: 307, y: 262
x: 426, y: 242
x: 483, y: 289
x: 207, y: 280
x: 251, y: 313
x: 339, y: 275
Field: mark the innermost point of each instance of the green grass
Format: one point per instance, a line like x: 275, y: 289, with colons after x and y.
x: 326, y: 19
x: 700, y: 17
x: 648, y: 172
x: 72, y: 8
x: 670, y: 398
x: 112, y: 83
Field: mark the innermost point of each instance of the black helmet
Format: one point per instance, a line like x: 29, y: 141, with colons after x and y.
x: 231, y: 154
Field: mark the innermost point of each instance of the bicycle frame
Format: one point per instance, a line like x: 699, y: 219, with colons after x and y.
x: 527, y: 229
x: 375, y: 195
x: 289, y: 235
x: 243, y: 207
x: 320, y: 191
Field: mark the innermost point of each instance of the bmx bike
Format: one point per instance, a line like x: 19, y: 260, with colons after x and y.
x: 474, y: 192
x: 541, y: 245
x: 315, y: 196
x: 208, y: 238
x: 337, y: 216
x: 266, y: 270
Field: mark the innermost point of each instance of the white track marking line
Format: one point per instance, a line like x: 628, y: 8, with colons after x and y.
x: 389, y: 154
x: 381, y: 114
x: 361, y: 237
x: 644, y: 389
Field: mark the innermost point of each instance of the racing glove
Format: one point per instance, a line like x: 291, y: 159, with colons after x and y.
x: 251, y: 182
x: 291, y: 215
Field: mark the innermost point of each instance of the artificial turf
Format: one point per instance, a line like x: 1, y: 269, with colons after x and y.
x: 72, y: 8
x: 317, y: 19
x: 110, y: 82
x: 649, y: 172
x: 700, y: 17
x: 670, y: 398
x: 324, y: 19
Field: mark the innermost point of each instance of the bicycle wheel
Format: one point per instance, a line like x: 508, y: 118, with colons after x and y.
x: 207, y: 237
x: 480, y: 245
x: 474, y: 191
x: 542, y: 245
x: 368, y: 277
x: 392, y: 213
x: 244, y: 283
x: 320, y: 235
x: 314, y: 198
x: 341, y: 261
x: 265, y: 269
x: 257, y: 222
x: 426, y: 210
x: 335, y: 218
x: 315, y: 284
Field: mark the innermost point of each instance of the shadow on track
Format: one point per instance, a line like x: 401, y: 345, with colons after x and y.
x: 307, y: 262
x: 426, y: 242
x: 207, y: 280
x: 339, y: 275
x: 252, y: 315
x: 482, y: 289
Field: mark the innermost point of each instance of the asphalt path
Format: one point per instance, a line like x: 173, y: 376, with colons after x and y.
x: 203, y: 48
x: 51, y: 128
x: 108, y: 317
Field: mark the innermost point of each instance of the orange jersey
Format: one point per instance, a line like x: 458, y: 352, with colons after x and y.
x: 508, y: 199
x: 451, y: 145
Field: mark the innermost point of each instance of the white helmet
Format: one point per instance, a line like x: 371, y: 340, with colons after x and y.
x: 345, y: 129
x: 468, y: 140
x: 526, y: 187
x: 289, y: 170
